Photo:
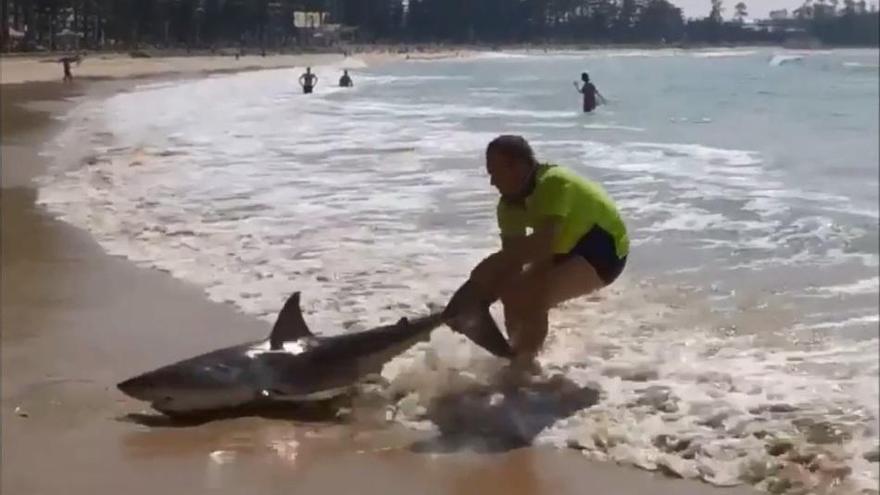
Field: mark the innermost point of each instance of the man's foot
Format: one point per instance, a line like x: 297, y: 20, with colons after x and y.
x: 520, y: 371
x: 526, y: 364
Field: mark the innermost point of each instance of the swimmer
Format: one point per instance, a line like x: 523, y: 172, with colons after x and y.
x: 345, y: 81
x: 308, y: 81
x: 590, y: 93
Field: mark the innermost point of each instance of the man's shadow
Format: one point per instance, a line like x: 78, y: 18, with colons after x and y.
x: 489, y: 419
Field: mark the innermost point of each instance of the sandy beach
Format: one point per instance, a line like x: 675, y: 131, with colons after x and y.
x: 75, y: 321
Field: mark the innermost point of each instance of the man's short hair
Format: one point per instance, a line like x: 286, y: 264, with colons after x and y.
x: 513, y: 146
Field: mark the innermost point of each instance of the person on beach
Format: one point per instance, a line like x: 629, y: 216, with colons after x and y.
x: 308, y: 81
x: 590, y: 93
x: 345, y: 81
x: 578, y: 243
x: 65, y: 63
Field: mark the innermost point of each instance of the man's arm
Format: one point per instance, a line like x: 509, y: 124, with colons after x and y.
x: 515, y: 252
x: 535, y: 247
x: 604, y: 101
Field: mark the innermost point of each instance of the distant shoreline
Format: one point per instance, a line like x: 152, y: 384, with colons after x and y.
x: 410, y: 48
x: 29, y: 67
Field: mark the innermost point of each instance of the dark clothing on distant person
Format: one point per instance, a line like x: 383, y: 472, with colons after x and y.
x: 308, y: 82
x: 68, y: 76
x: 589, y: 92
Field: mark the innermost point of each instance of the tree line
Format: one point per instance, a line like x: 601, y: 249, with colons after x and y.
x: 128, y: 24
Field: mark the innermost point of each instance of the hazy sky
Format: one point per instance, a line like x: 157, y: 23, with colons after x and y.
x: 756, y: 8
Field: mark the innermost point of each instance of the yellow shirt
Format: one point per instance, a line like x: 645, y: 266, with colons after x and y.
x: 581, y: 204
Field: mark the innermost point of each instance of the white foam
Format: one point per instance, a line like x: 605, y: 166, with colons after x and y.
x: 506, y: 55
x: 834, y: 325
x: 864, y: 286
x: 780, y: 59
x: 612, y: 127
x: 861, y: 65
x: 724, y: 53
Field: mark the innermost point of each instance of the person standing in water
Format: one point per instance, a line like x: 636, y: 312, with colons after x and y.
x: 308, y: 81
x: 65, y: 63
x: 590, y: 93
x: 345, y: 81
x: 577, y: 244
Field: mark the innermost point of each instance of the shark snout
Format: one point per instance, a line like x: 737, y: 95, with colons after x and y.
x: 138, y: 388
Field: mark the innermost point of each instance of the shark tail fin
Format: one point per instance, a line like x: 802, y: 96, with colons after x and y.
x: 467, y: 314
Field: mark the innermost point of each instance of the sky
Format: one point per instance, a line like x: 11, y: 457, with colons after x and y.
x: 757, y: 8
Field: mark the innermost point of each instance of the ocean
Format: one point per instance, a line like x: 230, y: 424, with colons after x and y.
x: 747, y: 315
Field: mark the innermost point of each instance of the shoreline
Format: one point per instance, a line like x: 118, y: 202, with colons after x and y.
x: 76, y: 320
x: 23, y: 70
x: 100, y: 65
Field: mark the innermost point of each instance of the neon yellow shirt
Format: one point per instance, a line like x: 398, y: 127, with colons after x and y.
x: 580, y: 203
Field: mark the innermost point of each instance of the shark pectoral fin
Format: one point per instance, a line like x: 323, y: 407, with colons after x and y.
x: 482, y: 330
x: 290, y: 324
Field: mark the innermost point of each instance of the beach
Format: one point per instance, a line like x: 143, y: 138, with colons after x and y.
x: 76, y: 320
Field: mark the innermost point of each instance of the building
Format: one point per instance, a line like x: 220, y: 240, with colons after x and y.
x: 779, y: 15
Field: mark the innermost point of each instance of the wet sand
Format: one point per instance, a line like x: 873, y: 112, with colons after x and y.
x: 75, y: 321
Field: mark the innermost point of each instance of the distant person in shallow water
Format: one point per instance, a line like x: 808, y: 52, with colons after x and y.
x: 65, y: 62
x: 345, y: 81
x: 308, y: 81
x: 590, y: 93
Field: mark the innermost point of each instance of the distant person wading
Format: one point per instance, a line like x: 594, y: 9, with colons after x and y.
x: 345, y: 81
x: 65, y: 63
x: 590, y: 93
x: 308, y: 81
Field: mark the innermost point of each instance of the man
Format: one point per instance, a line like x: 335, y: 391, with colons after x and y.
x: 590, y: 93
x: 308, y: 81
x: 578, y: 242
x: 65, y: 63
x: 345, y: 81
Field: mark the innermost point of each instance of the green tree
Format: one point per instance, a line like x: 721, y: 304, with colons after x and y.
x: 715, y: 14
x: 740, y: 12
x: 660, y: 21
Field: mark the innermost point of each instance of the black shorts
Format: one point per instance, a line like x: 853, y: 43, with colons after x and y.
x: 307, y: 89
x: 597, y: 247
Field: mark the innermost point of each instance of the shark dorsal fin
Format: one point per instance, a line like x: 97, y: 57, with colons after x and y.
x: 290, y: 324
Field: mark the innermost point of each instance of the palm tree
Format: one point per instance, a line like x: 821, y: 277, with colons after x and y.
x: 717, y: 10
x: 805, y: 11
x: 741, y: 12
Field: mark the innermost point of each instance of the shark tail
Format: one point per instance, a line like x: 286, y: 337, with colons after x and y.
x: 469, y: 315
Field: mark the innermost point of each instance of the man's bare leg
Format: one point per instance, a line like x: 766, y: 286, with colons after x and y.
x: 529, y: 297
